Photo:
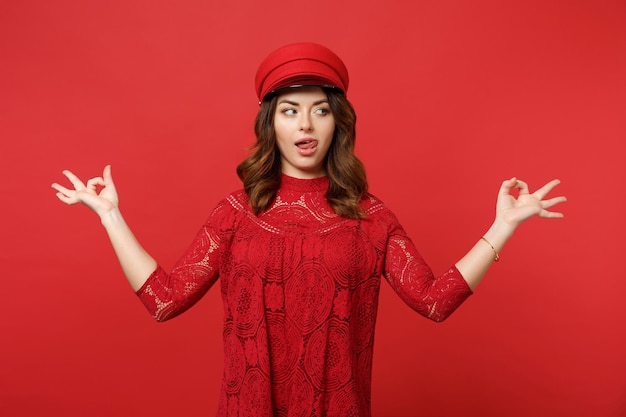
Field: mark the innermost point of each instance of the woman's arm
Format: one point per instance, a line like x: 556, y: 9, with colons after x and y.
x: 510, y: 213
x: 136, y: 263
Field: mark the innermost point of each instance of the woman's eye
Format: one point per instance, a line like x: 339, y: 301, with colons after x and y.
x: 289, y: 112
x: 322, y: 111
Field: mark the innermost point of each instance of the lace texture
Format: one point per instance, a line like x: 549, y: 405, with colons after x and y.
x: 300, y: 292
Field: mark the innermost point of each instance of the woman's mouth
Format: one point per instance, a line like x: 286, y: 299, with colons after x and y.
x: 306, y: 146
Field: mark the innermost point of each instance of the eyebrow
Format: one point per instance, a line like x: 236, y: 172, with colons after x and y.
x: 294, y: 103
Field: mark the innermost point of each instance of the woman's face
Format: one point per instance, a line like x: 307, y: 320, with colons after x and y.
x: 304, y: 128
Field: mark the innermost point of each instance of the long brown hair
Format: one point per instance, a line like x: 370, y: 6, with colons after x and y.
x: 261, y: 171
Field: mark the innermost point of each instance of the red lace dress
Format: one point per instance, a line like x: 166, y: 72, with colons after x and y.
x: 300, y: 294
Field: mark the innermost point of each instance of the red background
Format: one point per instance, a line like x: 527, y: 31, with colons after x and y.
x: 452, y: 97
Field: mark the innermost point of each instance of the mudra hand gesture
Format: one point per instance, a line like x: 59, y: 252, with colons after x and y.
x: 100, y: 202
x: 513, y: 211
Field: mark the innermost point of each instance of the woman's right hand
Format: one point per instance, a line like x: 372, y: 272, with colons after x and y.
x: 101, y: 203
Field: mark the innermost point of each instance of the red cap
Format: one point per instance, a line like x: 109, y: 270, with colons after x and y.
x: 300, y: 64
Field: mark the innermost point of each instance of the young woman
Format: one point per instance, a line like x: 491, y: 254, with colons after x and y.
x: 301, y: 249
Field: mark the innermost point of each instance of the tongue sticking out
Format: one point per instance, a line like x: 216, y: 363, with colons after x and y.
x: 306, y: 147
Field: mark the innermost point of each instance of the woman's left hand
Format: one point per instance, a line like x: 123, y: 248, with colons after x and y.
x: 514, y: 211
x: 511, y: 211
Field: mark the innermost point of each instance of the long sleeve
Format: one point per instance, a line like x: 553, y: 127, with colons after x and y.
x: 168, y: 295
x: 413, y: 280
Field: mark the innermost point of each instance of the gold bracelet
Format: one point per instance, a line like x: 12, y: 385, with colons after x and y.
x: 497, y: 256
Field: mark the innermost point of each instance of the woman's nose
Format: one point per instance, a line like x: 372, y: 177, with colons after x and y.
x: 305, y: 122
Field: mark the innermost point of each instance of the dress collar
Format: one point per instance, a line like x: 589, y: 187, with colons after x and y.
x: 303, y: 185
